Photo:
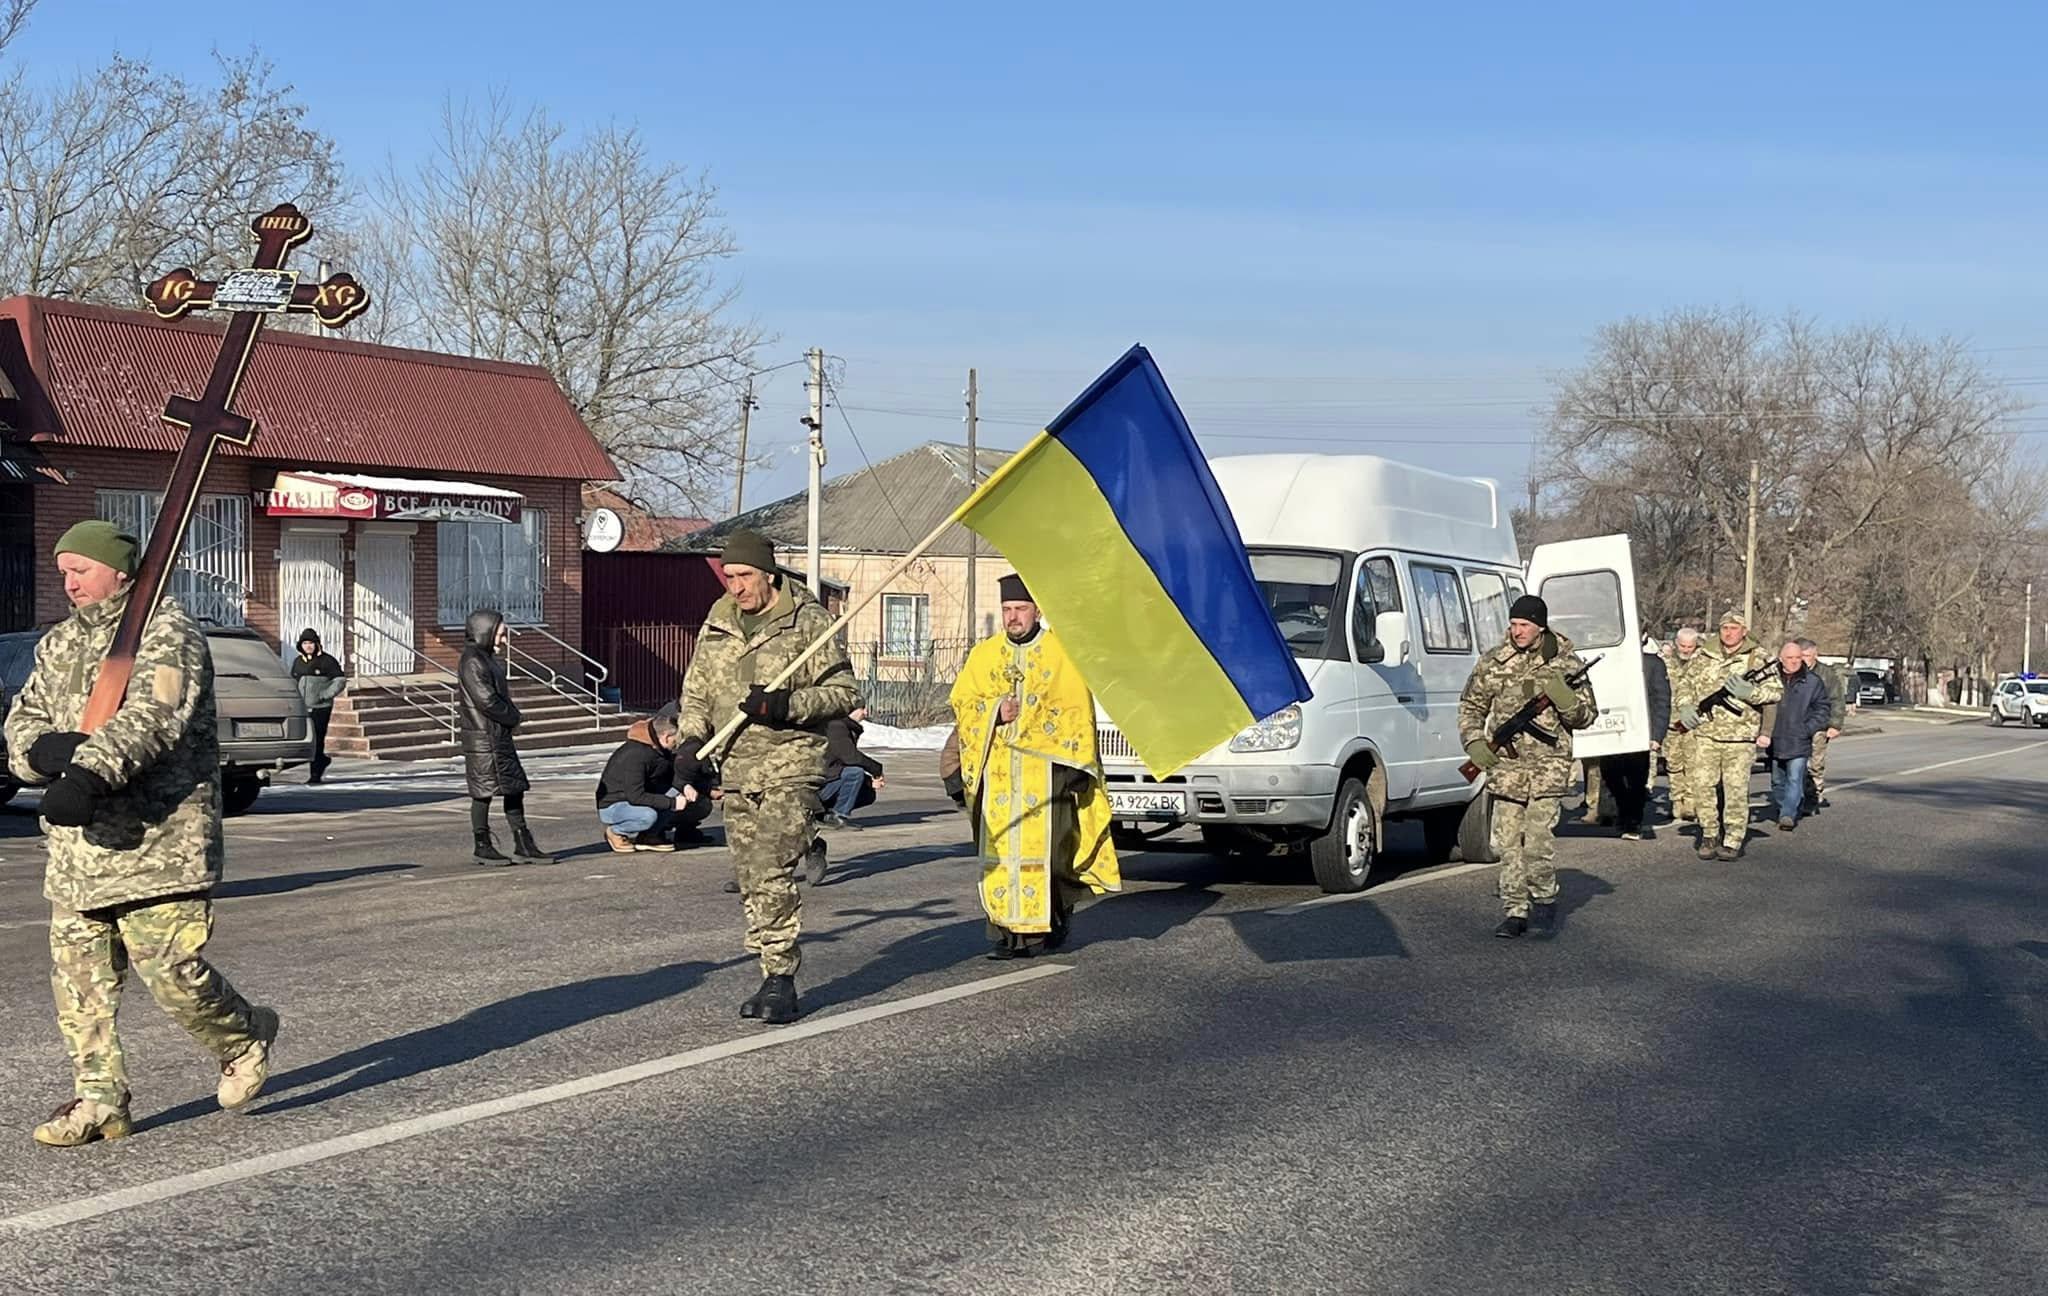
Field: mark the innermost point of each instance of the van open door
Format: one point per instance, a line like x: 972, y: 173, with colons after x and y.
x: 1590, y: 587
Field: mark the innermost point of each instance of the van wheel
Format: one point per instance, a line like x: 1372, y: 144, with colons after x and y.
x: 238, y: 794
x: 1343, y: 857
x: 1475, y: 830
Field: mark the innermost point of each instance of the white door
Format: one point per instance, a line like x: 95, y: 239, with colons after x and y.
x: 1590, y: 588
x: 309, y: 589
x: 383, y: 639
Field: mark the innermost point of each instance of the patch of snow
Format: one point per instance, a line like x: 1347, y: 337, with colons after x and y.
x: 889, y: 738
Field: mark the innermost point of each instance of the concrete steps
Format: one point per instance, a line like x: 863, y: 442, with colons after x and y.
x: 380, y: 723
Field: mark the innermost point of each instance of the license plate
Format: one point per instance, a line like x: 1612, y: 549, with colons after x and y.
x: 259, y: 728
x: 1167, y: 804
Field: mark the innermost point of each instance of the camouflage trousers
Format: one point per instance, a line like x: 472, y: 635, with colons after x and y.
x: 1522, y: 836
x: 1594, y: 786
x: 1723, y: 768
x: 1817, y: 766
x: 767, y: 833
x: 90, y: 954
x: 1677, y: 759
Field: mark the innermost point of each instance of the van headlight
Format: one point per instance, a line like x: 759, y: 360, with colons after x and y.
x: 1277, y: 732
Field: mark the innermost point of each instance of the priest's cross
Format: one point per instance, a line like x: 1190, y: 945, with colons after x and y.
x: 248, y: 296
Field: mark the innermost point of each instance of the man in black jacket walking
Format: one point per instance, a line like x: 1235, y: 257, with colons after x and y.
x: 1800, y: 714
x: 848, y: 771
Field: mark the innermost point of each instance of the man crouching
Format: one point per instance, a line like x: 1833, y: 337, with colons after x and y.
x: 132, y: 815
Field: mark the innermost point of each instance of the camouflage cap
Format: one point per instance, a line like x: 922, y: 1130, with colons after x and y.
x: 1734, y: 616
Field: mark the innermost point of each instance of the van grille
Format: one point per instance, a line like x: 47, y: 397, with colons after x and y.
x: 1111, y: 745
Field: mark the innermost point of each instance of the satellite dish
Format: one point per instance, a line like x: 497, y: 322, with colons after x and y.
x: 603, y: 531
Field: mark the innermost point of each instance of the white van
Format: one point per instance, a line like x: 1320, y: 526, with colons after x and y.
x: 1388, y: 581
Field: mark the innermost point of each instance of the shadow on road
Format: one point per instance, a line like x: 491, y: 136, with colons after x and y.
x: 337, y: 799
x: 284, y: 882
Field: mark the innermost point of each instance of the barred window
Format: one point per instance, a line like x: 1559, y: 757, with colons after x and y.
x: 211, y: 579
x: 906, y: 625
x: 502, y: 565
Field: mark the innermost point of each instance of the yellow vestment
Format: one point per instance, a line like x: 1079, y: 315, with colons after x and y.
x: 1041, y: 810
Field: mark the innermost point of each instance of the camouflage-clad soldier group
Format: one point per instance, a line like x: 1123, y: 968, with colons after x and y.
x: 1717, y: 705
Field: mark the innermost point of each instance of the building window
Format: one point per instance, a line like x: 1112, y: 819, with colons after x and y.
x: 906, y: 625
x: 1440, y: 599
x: 502, y: 565
x: 211, y: 580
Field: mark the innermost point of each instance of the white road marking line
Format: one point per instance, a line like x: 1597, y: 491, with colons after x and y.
x: 1373, y: 893
x: 86, y: 1208
x: 1922, y: 769
x: 259, y: 837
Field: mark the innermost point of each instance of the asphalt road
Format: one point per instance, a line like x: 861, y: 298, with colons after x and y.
x: 1813, y: 1071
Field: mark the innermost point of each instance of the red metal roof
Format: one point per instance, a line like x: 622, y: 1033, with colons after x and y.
x: 102, y: 376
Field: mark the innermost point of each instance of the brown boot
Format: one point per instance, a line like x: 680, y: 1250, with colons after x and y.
x: 243, y: 1078
x: 83, y: 1121
x: 620, y: 845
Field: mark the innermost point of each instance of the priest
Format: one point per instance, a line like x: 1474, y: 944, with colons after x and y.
x: 1034, y: 786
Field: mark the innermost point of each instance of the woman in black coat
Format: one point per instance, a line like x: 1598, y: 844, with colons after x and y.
x: 487, y: 718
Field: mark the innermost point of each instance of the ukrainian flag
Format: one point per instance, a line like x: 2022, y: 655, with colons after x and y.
x: 1113, y: 520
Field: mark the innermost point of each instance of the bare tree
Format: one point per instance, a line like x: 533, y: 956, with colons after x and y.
x: 1874, y: 510
x: 128, y: 171
x: 585, y: 256
x: 13, y: 17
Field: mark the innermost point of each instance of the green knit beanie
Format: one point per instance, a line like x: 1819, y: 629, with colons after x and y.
x: 102, y: 542
x: 749, y: 549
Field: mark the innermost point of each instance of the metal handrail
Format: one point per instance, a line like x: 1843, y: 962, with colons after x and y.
x: 595, y: 674
x: 396, y: 684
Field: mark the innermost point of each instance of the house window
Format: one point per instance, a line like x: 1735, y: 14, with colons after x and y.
x: 211, y: 580
x: 906, y: 625
x: 1440, y: 601
x: 502, y: 565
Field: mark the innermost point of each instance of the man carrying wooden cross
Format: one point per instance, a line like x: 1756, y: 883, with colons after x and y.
x: 132, y: 814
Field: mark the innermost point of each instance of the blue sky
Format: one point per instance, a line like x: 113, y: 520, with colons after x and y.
x: 1382, y: 226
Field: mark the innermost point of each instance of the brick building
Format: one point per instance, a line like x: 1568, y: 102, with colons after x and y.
x: 388, y: 491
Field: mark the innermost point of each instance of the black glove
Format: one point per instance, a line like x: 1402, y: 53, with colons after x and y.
x: 956, y: 788
x: 765, y: 707
x: 49, y: 754
x: 692, y: 770
x: 69, y: 801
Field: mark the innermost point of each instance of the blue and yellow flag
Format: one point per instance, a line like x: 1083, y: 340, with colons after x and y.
x: 1113, y: 520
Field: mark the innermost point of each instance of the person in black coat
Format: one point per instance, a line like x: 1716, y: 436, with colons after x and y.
x: 1628, y: 776
x: 1790, y: 725
x: 637, y: 798
x: 851, y: 775
x: 486, y: 717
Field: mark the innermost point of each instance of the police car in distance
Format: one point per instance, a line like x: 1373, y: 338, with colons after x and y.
x: 2024, y: 699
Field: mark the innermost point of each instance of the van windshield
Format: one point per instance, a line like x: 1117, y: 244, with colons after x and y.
x: 1303, y: 593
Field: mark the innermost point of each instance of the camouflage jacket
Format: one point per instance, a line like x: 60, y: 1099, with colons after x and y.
x: 158, y: 832
x: 726, y: 663
x: 1501, y: 683
x: 1711, y: 667
x: 1678, y: 666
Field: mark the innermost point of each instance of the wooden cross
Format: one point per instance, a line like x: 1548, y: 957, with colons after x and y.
x: 248, y: 295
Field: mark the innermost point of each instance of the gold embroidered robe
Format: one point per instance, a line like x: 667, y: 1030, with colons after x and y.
x: 1040, y: 807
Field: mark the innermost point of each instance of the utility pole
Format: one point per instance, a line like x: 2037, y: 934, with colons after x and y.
x: 974, y: 541
x: 1749, y: 562
x: 816, y: 423
x: 2027, y: 649
x: 739, y: 480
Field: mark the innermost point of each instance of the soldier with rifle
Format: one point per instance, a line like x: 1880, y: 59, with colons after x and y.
x: 1516, y: 720
x: 1718, y: 699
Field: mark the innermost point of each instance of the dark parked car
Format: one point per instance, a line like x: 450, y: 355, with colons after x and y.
x: 262, y: 720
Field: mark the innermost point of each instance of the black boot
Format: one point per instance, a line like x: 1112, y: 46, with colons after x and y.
x: 777, y: 1000
x: 1511, y: 927
x: 524, y: 848
x: 814, y: 862
x: 1543, y: 916
x: 487, y: 852
x: 750, y: 1008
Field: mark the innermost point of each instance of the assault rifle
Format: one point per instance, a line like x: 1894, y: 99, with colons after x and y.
x: 1522, y: 724
x: 1722, y: 700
